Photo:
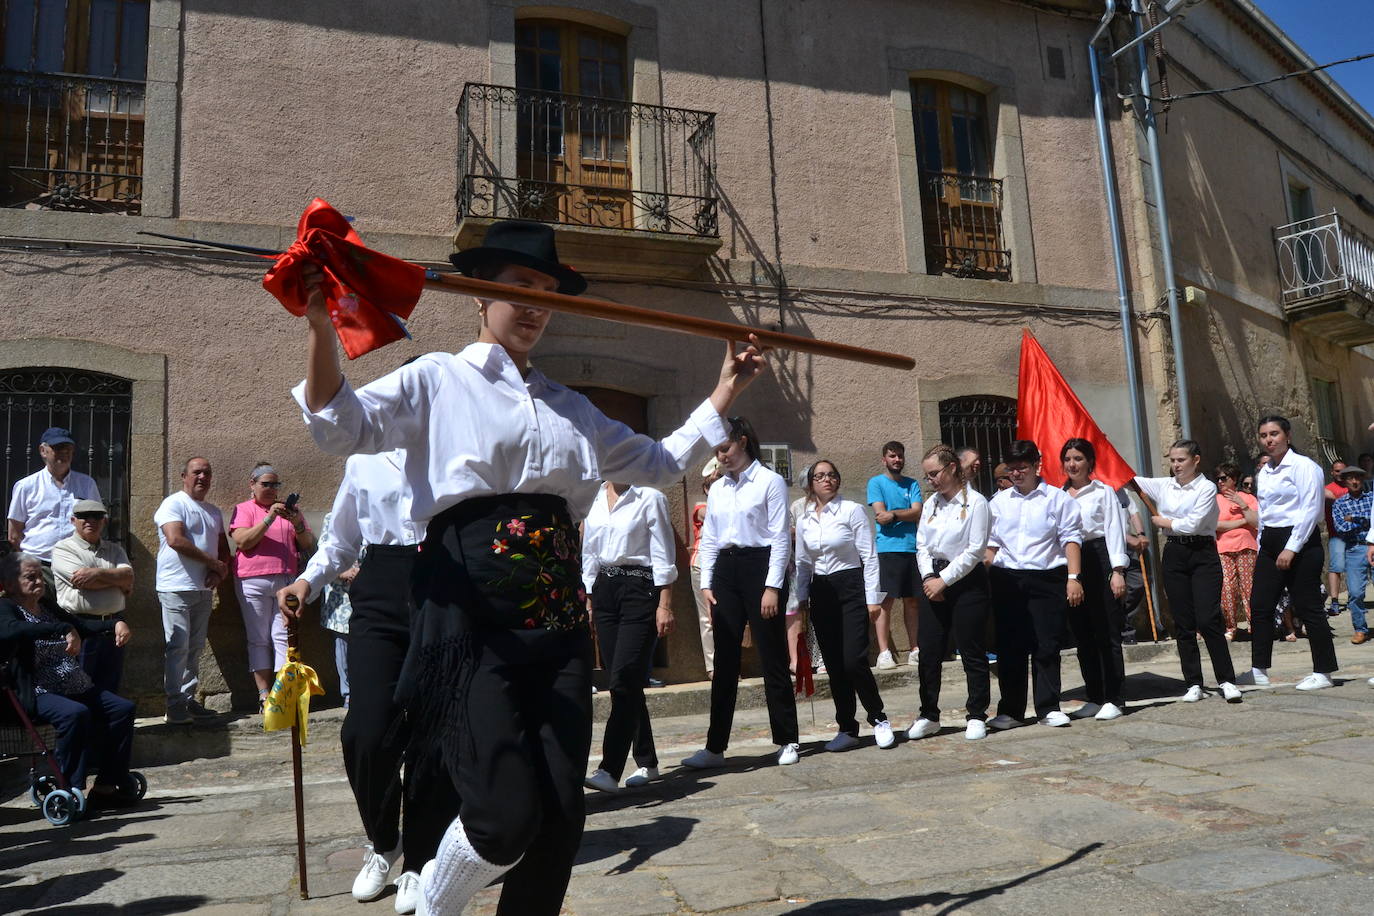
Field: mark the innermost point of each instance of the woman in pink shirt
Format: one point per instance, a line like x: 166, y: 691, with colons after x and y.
x: 269, y: 537
x: 1237, y: 523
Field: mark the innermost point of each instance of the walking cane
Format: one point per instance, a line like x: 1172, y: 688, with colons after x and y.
x: 1149, y: 599
x: 294, y: 604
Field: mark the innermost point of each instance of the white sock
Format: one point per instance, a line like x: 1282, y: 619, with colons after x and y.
x: 1262, y: 672
x: 459, y: 872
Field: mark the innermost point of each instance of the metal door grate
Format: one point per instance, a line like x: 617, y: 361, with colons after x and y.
x: 983, y: 421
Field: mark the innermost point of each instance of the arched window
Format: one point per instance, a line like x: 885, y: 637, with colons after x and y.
x: 961, y: 203
x: 96, y: 408
x: 986, y: 422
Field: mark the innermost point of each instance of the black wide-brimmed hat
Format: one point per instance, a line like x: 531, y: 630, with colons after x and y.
x: 526, y: 244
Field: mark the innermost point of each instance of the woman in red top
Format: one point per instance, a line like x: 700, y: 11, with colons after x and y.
x: 1237, y: 524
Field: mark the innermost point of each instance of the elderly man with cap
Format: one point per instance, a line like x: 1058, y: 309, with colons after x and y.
x: 1350, y: 529
x: 93, y: 578
x: 41, y: 504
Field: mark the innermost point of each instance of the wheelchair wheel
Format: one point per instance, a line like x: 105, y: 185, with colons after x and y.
x: 41, y: 788
x: 61, y: 807
x: 137, y: 785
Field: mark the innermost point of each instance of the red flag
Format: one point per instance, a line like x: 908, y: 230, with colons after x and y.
x: 805, y: 681
x: 1049, y: 413
x: 364, y: 288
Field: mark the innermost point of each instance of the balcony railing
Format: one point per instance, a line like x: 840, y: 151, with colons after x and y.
x: 71, y: 142
x: 1323, y: 257
x: 584, y: 161
x: 963, y: 223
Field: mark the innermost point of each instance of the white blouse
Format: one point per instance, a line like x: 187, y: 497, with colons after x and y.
x: 472, y: 426
x: 833, y: 538
x: 747, y: 510
x: 1100, y: 513
x: 637, y: 532
x: 1290, y: 496
x: 1192, y: 507
x: 954, y: 530
x: 1030, y: 530
x: 372, y: 506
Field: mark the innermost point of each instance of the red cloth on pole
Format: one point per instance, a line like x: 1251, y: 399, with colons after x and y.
x: 364, y: 288
x: 1048, y: 413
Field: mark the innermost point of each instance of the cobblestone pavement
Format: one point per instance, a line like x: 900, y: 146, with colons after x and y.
x: 1176, y: 808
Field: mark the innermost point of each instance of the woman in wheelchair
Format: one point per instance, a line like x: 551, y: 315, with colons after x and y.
x: 95, y: 728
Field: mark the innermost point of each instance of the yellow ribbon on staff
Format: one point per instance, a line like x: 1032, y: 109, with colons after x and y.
x: 288, y: 702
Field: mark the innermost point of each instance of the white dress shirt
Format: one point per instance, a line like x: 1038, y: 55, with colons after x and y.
x: 471, y: 426
x: 748, y: 510
x: 637, y: 532
x: 1030, y: 530
x: 1290, y: 496
x: 1192, y: 507
x: 833, y: 538
x: 372, y: 506
x: 954, y: 530
x: 45, y: 507
x: 1099, y: 512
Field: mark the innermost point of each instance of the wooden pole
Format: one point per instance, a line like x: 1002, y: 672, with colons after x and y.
x: 1149, y: 599
x: 294, y: 603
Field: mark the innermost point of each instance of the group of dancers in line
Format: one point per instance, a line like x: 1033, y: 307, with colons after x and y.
x: 470, y: 647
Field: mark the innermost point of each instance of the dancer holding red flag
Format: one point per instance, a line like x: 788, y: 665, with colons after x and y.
x: 501, y: 461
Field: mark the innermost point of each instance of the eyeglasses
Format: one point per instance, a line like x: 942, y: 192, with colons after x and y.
x: 1223, y: 477
x: 1016, y: 472
x: 270, y: 484
x: 825, y: 475
x: 90, y: 516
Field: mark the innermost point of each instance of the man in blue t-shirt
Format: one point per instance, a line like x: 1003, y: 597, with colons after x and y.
x: 896, y: 502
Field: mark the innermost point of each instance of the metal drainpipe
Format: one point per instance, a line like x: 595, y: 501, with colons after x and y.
x: 1162, y: 221
x: 1141, y: 437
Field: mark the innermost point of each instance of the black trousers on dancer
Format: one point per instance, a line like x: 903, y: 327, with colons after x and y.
x: 374, y: 732
x: 1096, y: 624
x: 1192, y: 580
x: 625, y: 608
x: 962, y: 616
x: 1303, y: 581
x: 1029, y: 606
x: 839, y: 615
x: 737, y: 583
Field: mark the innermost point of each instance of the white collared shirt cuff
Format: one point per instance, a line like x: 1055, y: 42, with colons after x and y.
x: 709, y: 424
x: 664, y: 575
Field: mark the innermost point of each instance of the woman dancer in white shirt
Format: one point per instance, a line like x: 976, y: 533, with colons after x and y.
x: 1186, y: 510
x: 1097, y: 623
x: 744, y: 554
x: 628, y: 569
x: 837, y: 580
x: 500, y: 461
x: 950, y: 546
x: 1289, y: 489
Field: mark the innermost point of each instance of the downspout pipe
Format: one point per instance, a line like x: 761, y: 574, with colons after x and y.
x: 1141, y: 438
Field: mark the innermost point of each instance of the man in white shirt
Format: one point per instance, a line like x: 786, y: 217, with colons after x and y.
x: 41, y: 504
x: 93, y: 578
x: 192, y: 559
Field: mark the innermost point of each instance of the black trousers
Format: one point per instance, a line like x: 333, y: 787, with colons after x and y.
x: 103, y: 660
x: 839, y: 615
x: 374, y: 731
x: 963, y: 616
x: 1192, y: 580
x: 1096, y: 624
x: 1303, y: 581
x: 1029, y: 606
x: 625, y: 610
x: 737, y: 583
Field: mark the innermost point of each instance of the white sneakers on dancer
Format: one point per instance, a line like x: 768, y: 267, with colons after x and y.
x: 1086, y: 711
x: 1230, y: 692
x: 407, y: 893
x: 788, y: 754
x: 886, y: 661
x: 913, y: 658
x: 372, y: 878
x: 882, y: 734
x: 1255, y: 677
x: 1315, y: 681
x: 641, y: 777
x: 1055, y: 719
x: 975, y: 730
x: 704, y: 760
x: 448, y: 881
x: 1108, y: 712
x: 1194, y: 694
x: 922, y: 728
x: 601, y: 781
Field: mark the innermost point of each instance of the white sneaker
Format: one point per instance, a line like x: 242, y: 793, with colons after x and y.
x: 1086, y: 711
x: 1002, y: 722
x: 704, y: 760
x: 913, y: 658
x: 601, y: 781
x: 1108, y: 712
x: 975, y: 729
x: 372, y: 878
x: 1231, y: 692
x: 842, y: 742
x: 1055, y: 719
x: 883, y: 734
x: 885, y: 660
x: 407, y: 893
x: 641, y: 777
x: 1315, y: 681
x: 1371, y: 682
x: 1255, y: 677
x: 1194, y: 694
x: 922, y: 728
x: 787, y: 754
x: 426, y: 876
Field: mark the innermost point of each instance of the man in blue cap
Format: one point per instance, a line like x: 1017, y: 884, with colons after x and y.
x: 42, y: 504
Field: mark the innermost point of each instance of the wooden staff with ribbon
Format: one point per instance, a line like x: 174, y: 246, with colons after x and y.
x: 297, y: 739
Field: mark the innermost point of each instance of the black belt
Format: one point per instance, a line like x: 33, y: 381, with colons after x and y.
x: 641, y: 572
x: 95, y: 616
x: 1191, y: 540
x: 742, y: 551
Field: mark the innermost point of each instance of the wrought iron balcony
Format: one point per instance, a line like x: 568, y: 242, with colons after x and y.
x: 71, y: 142
x: 583, y: 161
x: 963, y: 226
x: 1326, y: 278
